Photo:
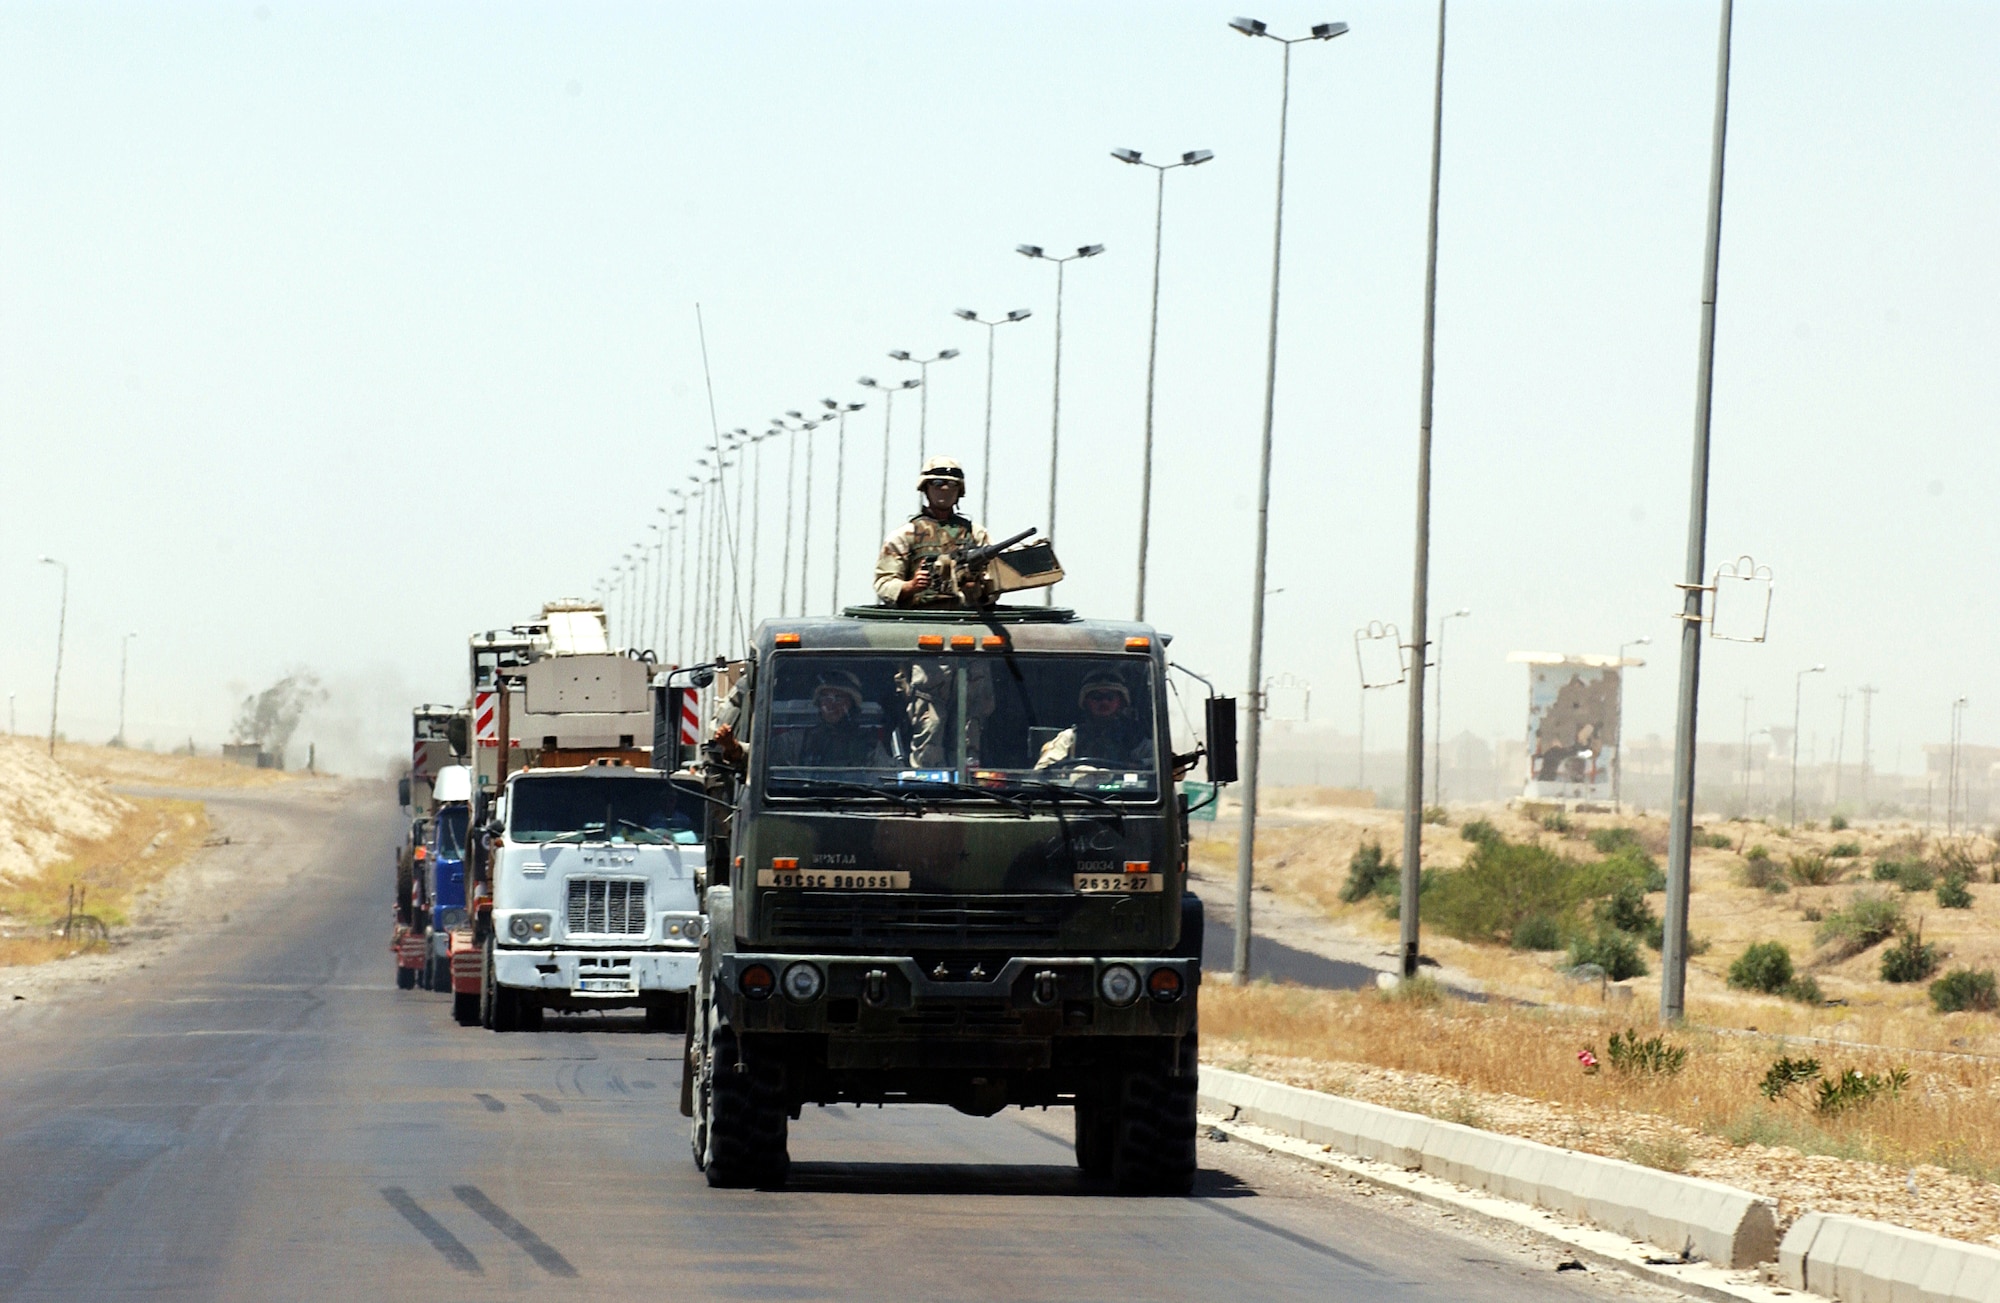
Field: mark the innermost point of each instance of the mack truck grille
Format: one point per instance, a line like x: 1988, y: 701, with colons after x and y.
x: 908, y: 922
x: 607, y: 907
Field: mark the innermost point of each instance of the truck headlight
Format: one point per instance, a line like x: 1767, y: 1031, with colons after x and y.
x: 529, y: 927
x: 803, y: 983
x: 684, y: 928
x: 1118, y: 985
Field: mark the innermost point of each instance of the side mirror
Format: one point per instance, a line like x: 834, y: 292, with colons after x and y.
x: 457, y: 732
x: 403, y: 792
x: 702, y: 677
x: 1221, y: 739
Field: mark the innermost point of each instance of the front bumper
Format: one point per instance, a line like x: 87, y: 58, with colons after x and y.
x: 595, y: 975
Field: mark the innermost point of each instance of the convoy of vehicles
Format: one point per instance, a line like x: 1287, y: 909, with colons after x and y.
x: 932, y: 855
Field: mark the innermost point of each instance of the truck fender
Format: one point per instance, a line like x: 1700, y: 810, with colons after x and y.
x: 1192, y: 924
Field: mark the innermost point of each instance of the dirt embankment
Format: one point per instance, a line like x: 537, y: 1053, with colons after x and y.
x: 46, y: 810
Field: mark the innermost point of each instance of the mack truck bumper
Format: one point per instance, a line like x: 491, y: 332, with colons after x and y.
x: 1031, y: 1030
x: 595, y: 979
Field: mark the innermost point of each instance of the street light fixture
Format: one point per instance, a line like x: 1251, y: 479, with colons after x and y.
x: 1618, y: 756
x: 62, y: 622
x: 1192, y: 158
x: 124, y: 656
x: 923, y: 365
x: 986, y: 471
x: 1055, y: 406
x: 1798, y: 697
x: 1437, y: 754
x: 889, y: 389
x: 841, y: 410
x: 1246, y: 845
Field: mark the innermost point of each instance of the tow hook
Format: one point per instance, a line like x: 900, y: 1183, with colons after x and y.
x: 875, y: 987
x: 1045, y: 987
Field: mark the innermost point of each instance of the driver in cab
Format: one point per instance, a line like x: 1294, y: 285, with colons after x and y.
x: 1109, y: 734
x: 836, y: 739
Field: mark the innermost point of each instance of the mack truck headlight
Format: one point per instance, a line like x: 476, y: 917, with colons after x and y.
x: 452, y: 918
x: 685, y: 928
x: 803, y: 983
x: 529, y: 927
x: 1119, y: 985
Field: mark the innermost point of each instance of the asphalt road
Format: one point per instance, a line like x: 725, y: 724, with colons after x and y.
x: 268, y: 1118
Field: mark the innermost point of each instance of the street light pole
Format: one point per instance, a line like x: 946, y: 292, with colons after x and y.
x: 923, y: 365
x: 986, y: 470
x: 1192, y: 158
x: 1437, y: 752
x: 1798, y: 698
x: 1055, y: 405
x: 806, y: 525
x: 839, y: 488
x: 124, y: 656
x: 1246, y: 845
x: 888, y: 428
x: 1680, y: 826
x: 1618, y: 755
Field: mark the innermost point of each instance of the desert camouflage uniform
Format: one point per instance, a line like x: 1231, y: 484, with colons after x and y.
x: 923, y: 539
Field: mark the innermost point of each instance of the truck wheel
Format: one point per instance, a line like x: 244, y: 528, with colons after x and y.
x: 744, y: 1113
x: 1096, y: 1129
x: 406, y: 978
x: 669, y: 1015
x: 1153, y: 1151
x: 486, y: 986
x: 465, y: 1008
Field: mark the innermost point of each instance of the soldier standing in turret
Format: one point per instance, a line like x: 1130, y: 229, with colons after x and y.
x: 904, y: 571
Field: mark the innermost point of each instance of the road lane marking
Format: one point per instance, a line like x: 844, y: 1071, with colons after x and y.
x: 492, y: 1105
x: 499, y: 1219
x: 544, y: 1104
x: 432, y: 1229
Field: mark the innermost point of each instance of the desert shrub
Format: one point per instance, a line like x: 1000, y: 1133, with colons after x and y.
x: 1392, y: 897
x: 1652, y: 1056
x: 1614, y: 952
x: 1757, y: 852
x: 1537, y: 932
x: 1803, y: 989
x: 1762, y: 872
x: 1369, y: 872
x: 1845, y: 851
x: 1765, y: 966
x: 1965, y: 988
x: 1869, y: 918
x: 1838, y: 823
x: 1911, y: 959
x: 1813, y: 870
x: 1955, y: 859
x: 1667, y: 1154
x: 1853, y: 1088
x: 1916, y: 875
x: 1556, y: 821
x: 1609, y: 841
x: 1435, y: 814
x: 1786, y: 1073
x: 1952, y: 893
x: 1715, y: 841
x: 1626, y: 910
x: 1501, y: 884
x: 1479, y: 831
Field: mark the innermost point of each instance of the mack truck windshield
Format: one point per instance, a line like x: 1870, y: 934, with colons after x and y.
x: 956, y: 868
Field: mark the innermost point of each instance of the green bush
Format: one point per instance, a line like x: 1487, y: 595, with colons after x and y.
x: 1757, y: 852
x: 1803, y: 989
x: 1609, y: 841
x: 1435, y: 814
x: 1965, y: 988
x: 1853, y: 1088
x: 1479, y: 832
x: 1501, y: 884
x: 1537, y: 932
x: 1870, y: 918
x: 1651, y: 1057
x: 1952, y: 894
x: 1911, y: 959
x: 1916, y: 876
x: 1614, y: 952
x: 1845, y: 851
x: 1838, y: 823
x: 1715, y: 841
x: 1786, y: 1073
x: 1369, y: 872
x: 1556, y: 821
x: 1626, y: 910
x: 1762, y: 872
x: 1765, y: 966
x: 1814, y: 871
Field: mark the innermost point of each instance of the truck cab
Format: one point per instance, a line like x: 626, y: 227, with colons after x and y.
x: 595, y: 871
x: 954, y: 871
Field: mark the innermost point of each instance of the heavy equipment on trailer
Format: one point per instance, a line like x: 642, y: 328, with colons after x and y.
x: 950, y: 867
x: 438, y: 739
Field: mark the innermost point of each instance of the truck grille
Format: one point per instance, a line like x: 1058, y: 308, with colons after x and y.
x: 607, y: 907
x: 1010, y: 923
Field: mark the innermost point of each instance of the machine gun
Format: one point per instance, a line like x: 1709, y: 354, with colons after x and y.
x: 976, y: 575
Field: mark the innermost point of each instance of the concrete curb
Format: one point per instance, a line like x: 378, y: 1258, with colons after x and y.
x: 1861, y: 1261
x: 1684, y: 1215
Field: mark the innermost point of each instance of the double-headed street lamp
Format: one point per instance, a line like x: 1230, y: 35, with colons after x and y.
x: 986, y: 470
x: 806, y: 428
x: 889, y: 390
x: 124, y: 656
x: 1192, y: 158
x: 841, y: 410
x: 1246, y: 845
x: 1437, y: 751
x: 1618, y: 756
x: 62, y: 622
x: 923, y: 365
x: 1055, y: 405
x: 1798, y: 699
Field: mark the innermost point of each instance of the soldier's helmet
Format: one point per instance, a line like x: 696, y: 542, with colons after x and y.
x: 944, y: 469
x: 841, y: 682
x: 1103, y: 681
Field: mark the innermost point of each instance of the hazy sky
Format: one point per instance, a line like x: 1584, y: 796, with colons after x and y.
x: 330, y: 333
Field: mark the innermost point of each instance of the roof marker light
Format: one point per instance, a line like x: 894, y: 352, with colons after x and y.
x: 931, y: 641
x: 786, y: 639
x: 962, y: 640
x: 1138, y: 644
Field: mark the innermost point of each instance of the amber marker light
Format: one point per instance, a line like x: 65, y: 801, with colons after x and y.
x: 930, y: 641
x: 1138, y: 866
x: 993, y: 642
x: 786, y: 640
x: 1138, y: 644
x: 962, y: 642
x: 786, y: 862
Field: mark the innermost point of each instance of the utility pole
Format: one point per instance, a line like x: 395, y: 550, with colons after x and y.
x: 62, y: 623
x: 1867, y: 691
x: 1840, y: 747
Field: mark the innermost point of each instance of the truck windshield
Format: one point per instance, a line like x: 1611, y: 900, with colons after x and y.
x: 1038, y: 725
x: 451, y: 832
x: 648, y: 812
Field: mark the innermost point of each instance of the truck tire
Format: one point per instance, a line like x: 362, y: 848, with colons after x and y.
x: 1153, y: 1151
x: 1096, y: 1128
x: 486, y: 986
x: 406, y: 978
x: 465, y: 1008
x: 670, y: 1014
x: 744, y: 1113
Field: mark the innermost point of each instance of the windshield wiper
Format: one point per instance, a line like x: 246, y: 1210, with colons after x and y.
x: 653, y: 833
x: 827, y: 788
x: 575, y: 834
x: 973, y: 789
x: 1056, y: 793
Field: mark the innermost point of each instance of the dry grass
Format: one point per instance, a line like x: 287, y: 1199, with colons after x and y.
x: 129, y: 768
x: 109, y: 873
x: 1948, y: 1117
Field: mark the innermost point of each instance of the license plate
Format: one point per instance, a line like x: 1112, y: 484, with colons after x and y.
x: 604, y: 985
x: 1119, y: 884
x: 833, y: 879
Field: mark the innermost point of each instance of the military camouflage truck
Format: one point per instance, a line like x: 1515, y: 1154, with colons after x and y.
x: 950, y: 867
